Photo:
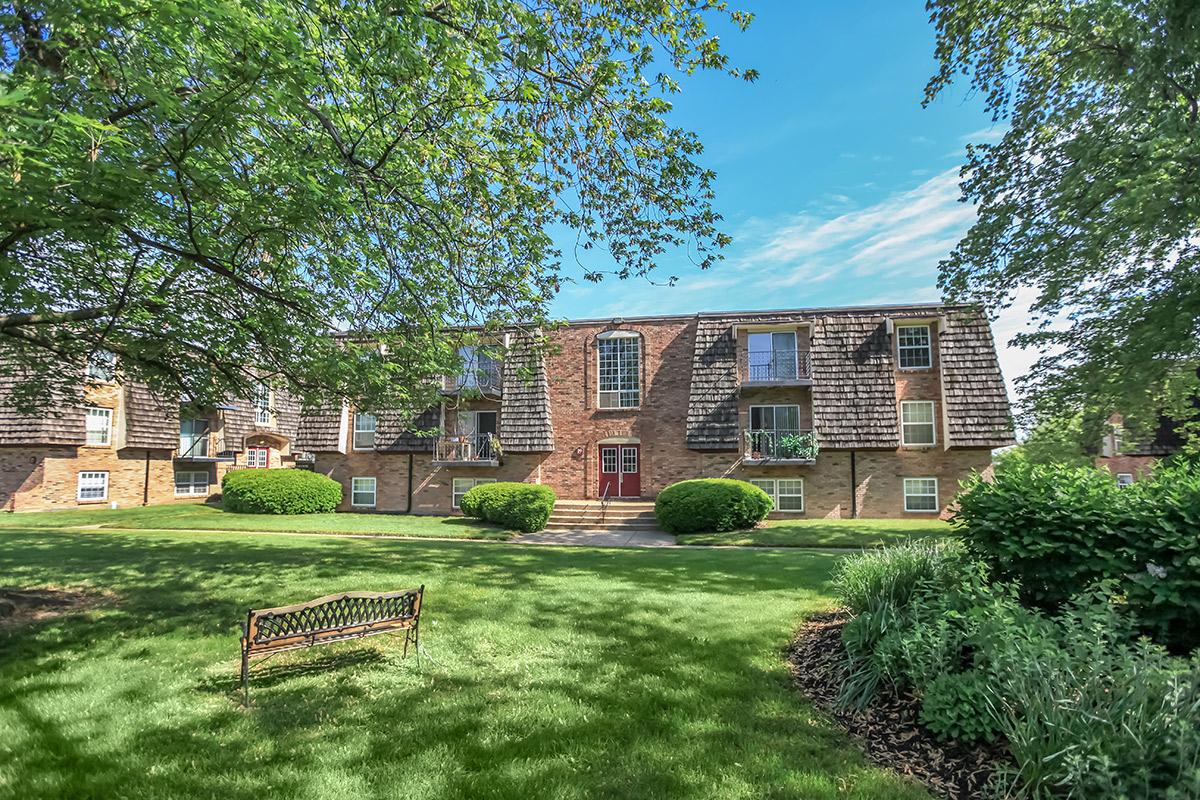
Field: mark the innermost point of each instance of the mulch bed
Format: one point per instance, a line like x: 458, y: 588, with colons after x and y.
x: 888, y: 729
x: 27, y: 605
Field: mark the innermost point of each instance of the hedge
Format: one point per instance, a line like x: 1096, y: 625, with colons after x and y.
x: 516, y: 506
x: 279, y: 491
x: 711, y: 505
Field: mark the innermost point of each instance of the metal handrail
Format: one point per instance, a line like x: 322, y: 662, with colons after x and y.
x: 604, y: 500
x: 781, y: 443
x: 776, y: 365
x: 483, y: 376
x: 467, y: 447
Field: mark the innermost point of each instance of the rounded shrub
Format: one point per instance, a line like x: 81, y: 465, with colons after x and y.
x: 711, y: 505
x: 516, y: 506
x: 279, y: 491
x: 956, y: 706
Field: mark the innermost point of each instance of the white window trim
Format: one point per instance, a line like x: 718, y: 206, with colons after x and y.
x: 454, y: 503
x: 79, y: 486
x: 774, y: 493
x: 374, y: 491
x: 619, y: 334
x: 105, y: 361
x: 259, y: 390
x: 108, y: 427
x: 201, y: 439
x: 933, y: 420
x: 354, y: 432
x: 1128, y: 476
x: 928, y: 348
x: 937, y: 504
x: 191, y: 486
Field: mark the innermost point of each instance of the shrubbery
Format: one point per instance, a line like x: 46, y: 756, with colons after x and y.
x: 1080, y: 701
x: 517, y: 506
x: 711, y: 505
x: 1055, y: 530
x: 279, y: 491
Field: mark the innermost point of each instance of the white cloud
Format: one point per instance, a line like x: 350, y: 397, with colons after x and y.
x: 988, y: 135
x: 904, y: 235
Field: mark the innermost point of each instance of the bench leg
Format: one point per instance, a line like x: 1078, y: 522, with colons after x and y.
x: 245, y: 677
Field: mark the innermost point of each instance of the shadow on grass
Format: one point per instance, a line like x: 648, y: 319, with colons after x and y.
x: 553, y: 673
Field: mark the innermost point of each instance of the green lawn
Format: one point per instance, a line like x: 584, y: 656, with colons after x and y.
x: 550, y: 672
x: 826, y: 533
x: 191, y: 516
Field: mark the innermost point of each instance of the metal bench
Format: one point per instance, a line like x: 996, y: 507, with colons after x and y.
x: 334, y: 618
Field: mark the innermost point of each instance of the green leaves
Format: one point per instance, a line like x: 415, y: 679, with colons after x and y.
x: 1089, y: 200
x: 235, y: 181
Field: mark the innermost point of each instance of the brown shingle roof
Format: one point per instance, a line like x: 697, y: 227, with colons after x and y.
x: 854, y: 386
x: 239, y: 419
x: 977, y: 411
x: 712, y: 418
x: 321, y: 430
x: 396, y: 432
x: 62, y: 424
x: 525, y: 423
x: 150, y: 421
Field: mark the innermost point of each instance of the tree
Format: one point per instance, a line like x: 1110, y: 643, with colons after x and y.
x: 1091, y: 197
x: 1055, y: 441
x: 209, y: 188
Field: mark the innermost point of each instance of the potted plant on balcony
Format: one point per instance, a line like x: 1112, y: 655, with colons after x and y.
x: 792, y: 445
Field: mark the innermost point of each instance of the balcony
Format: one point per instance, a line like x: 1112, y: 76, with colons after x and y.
x: 779, y: 446
x: 477, y: 450
x: 775, y: 368
x: 481, y: 378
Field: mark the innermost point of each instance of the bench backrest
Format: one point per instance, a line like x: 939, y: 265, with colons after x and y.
x: 328, y: 619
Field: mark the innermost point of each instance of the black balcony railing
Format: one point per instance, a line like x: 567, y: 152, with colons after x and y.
x: 779, y: 444
x: 766, y: 366
x: 467, y: 448
x: 482, y: 377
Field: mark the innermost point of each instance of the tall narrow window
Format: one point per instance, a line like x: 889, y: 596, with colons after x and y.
x: 913, y: 346
x: 921, y: 494
x: 102, y: 366
x: 917, y: 426
x: 193, y: 438
x: 262, y: 404
x: 92, y: 486
x: 620, y: 366
x: 99, y: 426
x: 364, y: 431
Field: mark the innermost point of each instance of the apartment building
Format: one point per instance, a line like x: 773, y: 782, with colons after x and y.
x: 118, y: 445
x: 842, y: 412
x: 839, y: 412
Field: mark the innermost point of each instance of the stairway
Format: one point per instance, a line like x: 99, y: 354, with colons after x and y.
x: 589, y: 515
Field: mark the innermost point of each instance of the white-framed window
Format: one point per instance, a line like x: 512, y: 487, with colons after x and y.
x: 464, y: 485
x: 787, y: 494
x: 921, y: 494
x: 480, y: 369
x: 917, y: 426
x: 362, y: 492
x: 914, y: 346
x: 102, y: 366
x: 364, y: 431
x: 619, y: 359
x: 193, y: 438
x: 92, y: 486
x: 258, y: 457
x: 1124, y: 479
x: 262, y: 404
x: 191, y: 483
x: 99, y: 426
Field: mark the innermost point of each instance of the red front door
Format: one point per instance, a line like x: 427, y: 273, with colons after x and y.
x: 620, y: 470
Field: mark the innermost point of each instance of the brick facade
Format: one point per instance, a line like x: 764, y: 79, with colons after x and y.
x: 839, y: 482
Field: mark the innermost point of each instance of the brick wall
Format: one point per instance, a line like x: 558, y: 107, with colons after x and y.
x: 1137, y: 466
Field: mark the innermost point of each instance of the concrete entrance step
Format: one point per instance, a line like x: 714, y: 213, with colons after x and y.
x: 611, y: 503
x: 611, y: 513
x: 574, y: 525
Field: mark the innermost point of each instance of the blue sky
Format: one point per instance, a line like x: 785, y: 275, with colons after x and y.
x: 838, y: 188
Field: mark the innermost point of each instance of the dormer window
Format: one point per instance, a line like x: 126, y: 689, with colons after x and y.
x: 102, y: 366
x: 619, y: 356
x: 262, y: 404
x: 914, y: 348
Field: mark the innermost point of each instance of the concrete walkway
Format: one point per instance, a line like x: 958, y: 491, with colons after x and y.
x: 609, y: 538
